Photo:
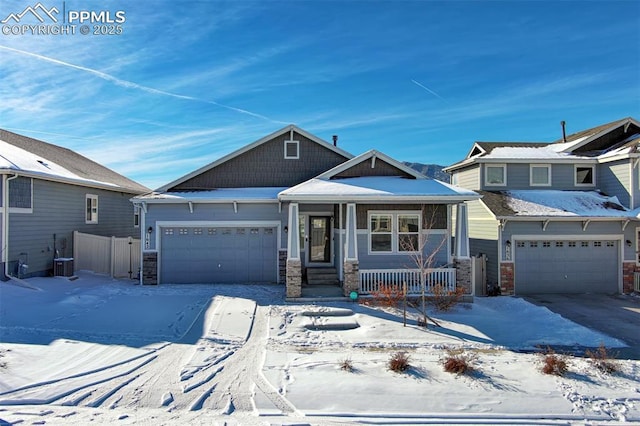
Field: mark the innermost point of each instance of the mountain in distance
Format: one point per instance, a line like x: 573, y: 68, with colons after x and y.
x: 432, y: 171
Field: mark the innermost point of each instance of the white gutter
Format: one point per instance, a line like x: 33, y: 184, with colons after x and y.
x: 337, y: 198
x: 5, y: 221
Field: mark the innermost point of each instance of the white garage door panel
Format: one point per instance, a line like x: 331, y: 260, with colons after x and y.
x: 219, y: 255
x: 589, y: 266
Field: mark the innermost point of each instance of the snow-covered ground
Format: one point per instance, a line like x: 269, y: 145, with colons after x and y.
x: 101, y: 351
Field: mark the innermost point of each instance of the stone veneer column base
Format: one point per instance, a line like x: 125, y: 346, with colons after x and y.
x: 463, y: 274
x: 351, y: 277
x: 506, y: 278
x: 628, y: 271
x: 150, y: 267
x: 294, y: 278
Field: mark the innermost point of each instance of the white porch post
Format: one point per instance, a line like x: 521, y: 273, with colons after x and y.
x: 462, y: 257
x: 462, y: 232
x: 351, y: 264
x: 294, y: 264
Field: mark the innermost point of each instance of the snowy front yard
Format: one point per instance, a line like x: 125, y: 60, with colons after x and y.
x: 104, y: 351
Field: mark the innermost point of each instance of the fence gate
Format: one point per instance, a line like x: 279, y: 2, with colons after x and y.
x: 479, y: 275
x: 117, y: 257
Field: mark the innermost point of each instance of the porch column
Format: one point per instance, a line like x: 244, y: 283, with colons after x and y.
x: 294, y: 264
x: 462, y: 259
x: 351, y: 264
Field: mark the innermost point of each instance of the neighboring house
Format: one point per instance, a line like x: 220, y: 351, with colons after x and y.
x: 557, y: 217
x: 48, y: 192
x: 292, y: 207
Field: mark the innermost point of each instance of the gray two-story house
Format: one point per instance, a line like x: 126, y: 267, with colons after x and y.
x: 557, y: 217
x: 290, y: 207
x: 47, y: 192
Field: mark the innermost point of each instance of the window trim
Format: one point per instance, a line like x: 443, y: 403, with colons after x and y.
x: 22, y: 210
x: 540, y: 166
x: 136, y: 216
x: 91, y: 220
x: 593, y: 174
x: 395, y: 230
x: 504, y: 174
x: 297, y: 145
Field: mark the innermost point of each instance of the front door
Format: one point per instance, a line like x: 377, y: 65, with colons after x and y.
x: 319, y: 239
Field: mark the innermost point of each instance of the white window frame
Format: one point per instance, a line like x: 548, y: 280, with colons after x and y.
x: 637, y: 255
x: 292, y: 157
x: 91, y: 217
x: 136, y: 216
x: 22, y: 210
x: 540, y: 166
x: 504, y: 174
x: 593, y: 174
x: 395, y: 230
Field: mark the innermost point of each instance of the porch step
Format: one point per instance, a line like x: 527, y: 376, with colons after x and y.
x: 322, y: 276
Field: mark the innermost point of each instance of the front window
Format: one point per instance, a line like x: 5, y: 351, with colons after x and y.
x: 540, y: 175
x: 585, y: 175
x: 91, y: 209
x: 408, y: 231
x: 495, y: 175
x: 394, y: 232
x: 381, y: 230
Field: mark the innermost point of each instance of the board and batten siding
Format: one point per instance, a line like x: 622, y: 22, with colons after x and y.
x: 59, y: 209
x: 615, y: 179
x: 265, y: 166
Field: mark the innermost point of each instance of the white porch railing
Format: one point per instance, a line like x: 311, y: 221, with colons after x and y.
x: 372, y: 279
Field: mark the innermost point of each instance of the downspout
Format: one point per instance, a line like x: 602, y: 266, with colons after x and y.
x: 5, y: 224
x: 143, y: 241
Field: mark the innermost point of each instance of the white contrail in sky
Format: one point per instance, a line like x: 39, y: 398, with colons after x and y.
x: 417, y: 83
x: 132, y: 85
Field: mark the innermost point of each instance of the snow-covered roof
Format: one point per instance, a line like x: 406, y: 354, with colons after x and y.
x: 376, y: 188
x: 528, y: 153
x: 545, y: 203
x: 31, y: 157
x: 215, y: 195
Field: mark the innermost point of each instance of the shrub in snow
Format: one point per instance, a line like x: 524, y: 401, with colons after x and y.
x: 603, y: 360
x: 346, y: 364
x: 444, y: 299
x: 459, y: 362
x: 387, y: 295
x: 399, y: 362
x: 553, y: 363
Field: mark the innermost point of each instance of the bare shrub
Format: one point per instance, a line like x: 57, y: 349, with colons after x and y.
x: 3, y: 364
x: 603, y: 360
x: 387, y: 295
x: 553, y: 363
x: 444, y: 299
x: 399, y: 362
x: 459, y: 362
x: 346, y: 364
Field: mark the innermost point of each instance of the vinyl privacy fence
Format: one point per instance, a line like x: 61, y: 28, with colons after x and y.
x: 117, y: 257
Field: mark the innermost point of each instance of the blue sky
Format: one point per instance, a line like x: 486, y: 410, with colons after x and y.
x: 189, y: 81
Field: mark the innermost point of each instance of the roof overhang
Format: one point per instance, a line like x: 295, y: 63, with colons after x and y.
x: 426, y: 199
x: 70, y: 181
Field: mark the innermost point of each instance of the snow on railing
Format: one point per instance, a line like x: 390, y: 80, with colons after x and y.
x: 372, y: 279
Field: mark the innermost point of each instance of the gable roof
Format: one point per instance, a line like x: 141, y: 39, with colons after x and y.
x: 288, y: 129
x: 34, y: 158
x: 407, y: 186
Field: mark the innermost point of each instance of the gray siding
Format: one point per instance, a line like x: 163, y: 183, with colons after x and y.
x: 219, y: 212
x: 614, y: 179
x: 469, y: 177
x: 58, y: 210
x: 265, y: 166
x: 434, y: 215
x: 381, y: 168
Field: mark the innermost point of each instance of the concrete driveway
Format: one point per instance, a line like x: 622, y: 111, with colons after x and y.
x: 615, y: 315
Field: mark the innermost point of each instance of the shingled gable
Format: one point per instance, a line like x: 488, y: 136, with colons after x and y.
x: 263, y: 164
x: 81, y: 170
x: 600, y: 138
x: 371, y: 163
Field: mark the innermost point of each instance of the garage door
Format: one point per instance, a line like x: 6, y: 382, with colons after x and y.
x: 566, y: 266
x: 219, y: 255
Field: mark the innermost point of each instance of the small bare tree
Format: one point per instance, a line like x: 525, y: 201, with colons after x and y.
x: 414, y: 238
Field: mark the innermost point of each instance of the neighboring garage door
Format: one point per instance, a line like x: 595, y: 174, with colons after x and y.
x: 219, y: 255
x: 551, y: 266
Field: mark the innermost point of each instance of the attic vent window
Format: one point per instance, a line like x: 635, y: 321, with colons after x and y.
x: 291, y: 150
